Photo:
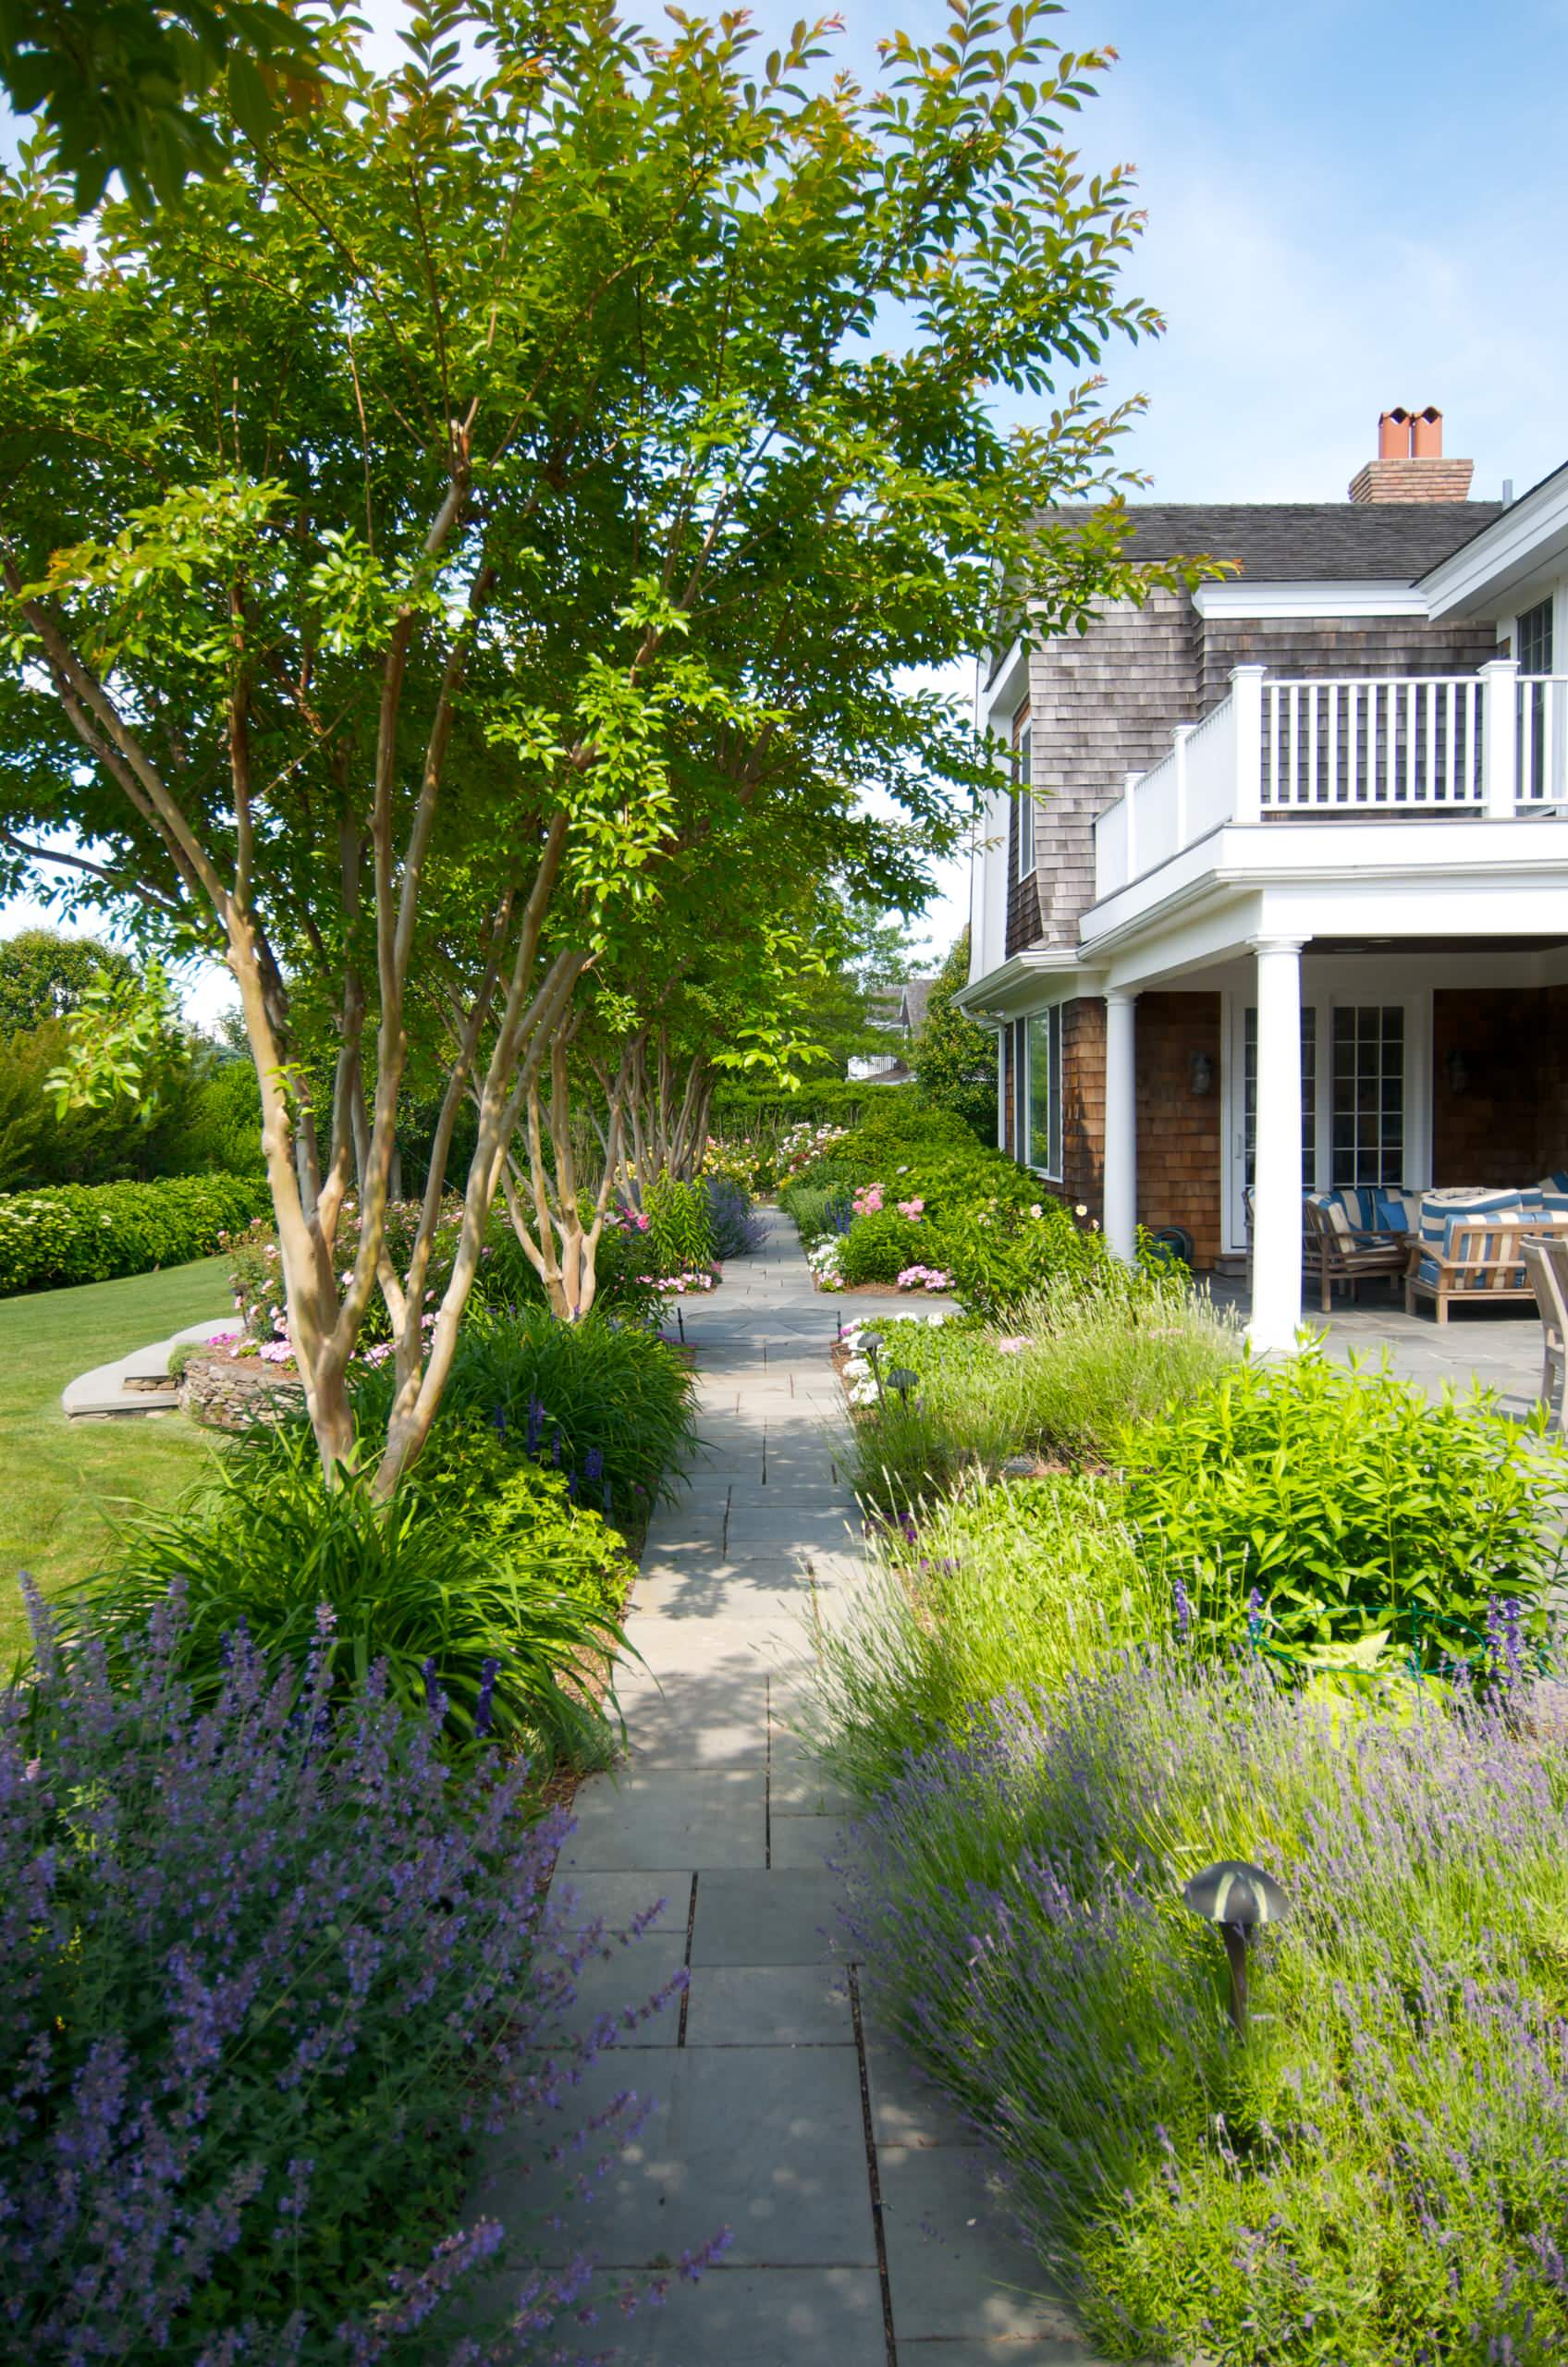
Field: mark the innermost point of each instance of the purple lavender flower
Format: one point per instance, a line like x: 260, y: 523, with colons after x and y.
x: 489, y: 1669
x: 1183, y: 1609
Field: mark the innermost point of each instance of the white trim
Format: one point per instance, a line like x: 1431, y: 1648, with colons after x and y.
x: 1032, y: 980
x: 1484, y: 576
x: 1391, y: 596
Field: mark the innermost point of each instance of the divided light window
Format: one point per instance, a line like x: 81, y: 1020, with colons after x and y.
x: 1037, y: 1090
x: 1365, y: 1141
x: 1533, y: 639
x: 1022, y: 773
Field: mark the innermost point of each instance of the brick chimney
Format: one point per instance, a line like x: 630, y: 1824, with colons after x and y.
x: 1410, y: 464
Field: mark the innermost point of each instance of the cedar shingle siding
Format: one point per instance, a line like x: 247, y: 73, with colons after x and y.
x: 1103, y: 703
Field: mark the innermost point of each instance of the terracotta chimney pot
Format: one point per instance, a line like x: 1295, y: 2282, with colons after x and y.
x: 1410, y: 464
x: 1427, y: 433
x: 1393, y: 435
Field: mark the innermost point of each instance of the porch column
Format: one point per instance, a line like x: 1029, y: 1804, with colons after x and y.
x: 1276, y: 1175
x: 1121, y: 1124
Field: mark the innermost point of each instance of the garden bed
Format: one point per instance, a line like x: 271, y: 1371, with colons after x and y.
x: 1136, y: 1605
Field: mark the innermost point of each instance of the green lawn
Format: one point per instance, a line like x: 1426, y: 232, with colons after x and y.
x: 64, y: 1483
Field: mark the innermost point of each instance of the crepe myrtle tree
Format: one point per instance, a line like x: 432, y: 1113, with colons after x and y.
x: 416, y: 541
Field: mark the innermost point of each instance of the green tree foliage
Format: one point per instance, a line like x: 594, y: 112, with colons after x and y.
x: 128, y: 87
x: 522, y: 478
x: 44, y: 976
x: 954, y: 1058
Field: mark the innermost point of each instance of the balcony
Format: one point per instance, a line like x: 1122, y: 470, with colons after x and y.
x: 1492, y: 745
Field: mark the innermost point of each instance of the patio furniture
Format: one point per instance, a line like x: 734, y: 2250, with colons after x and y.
x: 1342, y: 1252
x: 1546, y: 1262
x: 1471, y: 1246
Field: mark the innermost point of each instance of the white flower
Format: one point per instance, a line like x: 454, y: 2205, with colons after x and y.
x: 936, y: 1316
x: 857, y: 1369
x: 1037, y: 1210
x: 864, y: 1393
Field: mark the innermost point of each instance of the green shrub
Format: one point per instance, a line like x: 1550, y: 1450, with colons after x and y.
x: 222, y: 1129
x: 612, y: 1403
x: 439, y: 1590
x: 1015, y: 1585
x: 877, y: 1248
x: 1353, y: 1505
x: 87, y: 1233
x: 680, y: 1235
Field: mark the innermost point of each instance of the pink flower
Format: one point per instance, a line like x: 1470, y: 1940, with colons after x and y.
x: 913, y: 1209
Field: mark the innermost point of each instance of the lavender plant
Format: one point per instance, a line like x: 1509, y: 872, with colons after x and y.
x: 273, y: 1970
x: 1379, y: 2172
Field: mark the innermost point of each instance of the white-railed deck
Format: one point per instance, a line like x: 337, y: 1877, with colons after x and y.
x: 1492, y: 744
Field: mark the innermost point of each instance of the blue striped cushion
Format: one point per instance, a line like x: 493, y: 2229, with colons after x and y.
x: 1444, y: 1212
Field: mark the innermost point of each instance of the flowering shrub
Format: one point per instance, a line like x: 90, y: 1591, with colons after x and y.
x: 89, y: 1233
x: 1381, y: 2174
x: 826, y: 1262
x: 924, y: 1278
x: 272, y: 1969
x: 803, y: 1147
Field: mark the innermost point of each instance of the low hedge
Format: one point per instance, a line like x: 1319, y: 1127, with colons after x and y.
x: 89, y: 1233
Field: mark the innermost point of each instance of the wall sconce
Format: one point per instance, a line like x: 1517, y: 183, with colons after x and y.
x: 1458, y: 1074
x: 1200, y: 1070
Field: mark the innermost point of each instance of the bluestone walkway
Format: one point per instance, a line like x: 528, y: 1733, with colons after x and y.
x: 864, y: 2233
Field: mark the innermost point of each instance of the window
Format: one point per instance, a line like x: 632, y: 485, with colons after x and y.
x: 1532, y: 638
x: 1368, y: 1094
x: 1037, y: 1090
x: 1022, y: 773
x: 1308, y: 1094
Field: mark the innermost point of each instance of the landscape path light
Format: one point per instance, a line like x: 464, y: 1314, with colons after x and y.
x: 1238, y: 1898
x: 904, y: 1381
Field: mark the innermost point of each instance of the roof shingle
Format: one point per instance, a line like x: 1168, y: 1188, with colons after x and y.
x: 1307, y: 542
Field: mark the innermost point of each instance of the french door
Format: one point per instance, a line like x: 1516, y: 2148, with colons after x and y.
x: 1363, y: 1103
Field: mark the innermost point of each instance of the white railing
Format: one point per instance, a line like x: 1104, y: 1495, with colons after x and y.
x: 1331, y: 744
x: 1492, y: 743
x: 1542, y: 734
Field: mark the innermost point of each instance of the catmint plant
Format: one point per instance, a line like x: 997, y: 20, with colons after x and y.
x: 274, y: 1972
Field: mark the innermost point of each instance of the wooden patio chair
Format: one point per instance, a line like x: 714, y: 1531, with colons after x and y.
x: 1546, y: 1262
x: 1345, y: 1254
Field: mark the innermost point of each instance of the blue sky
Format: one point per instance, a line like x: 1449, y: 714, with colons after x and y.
x: 1351, y: 203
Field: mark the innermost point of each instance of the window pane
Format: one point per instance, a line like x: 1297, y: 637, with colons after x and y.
x: 1043, y: 1133
x: 1308, y: 1093
x: 1368, y: 1094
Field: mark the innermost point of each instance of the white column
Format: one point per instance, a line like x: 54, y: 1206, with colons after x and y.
x: 1277, y: 1176
x: 1121, y: 1124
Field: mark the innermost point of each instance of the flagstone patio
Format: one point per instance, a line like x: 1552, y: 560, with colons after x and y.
x: 865, y: 2233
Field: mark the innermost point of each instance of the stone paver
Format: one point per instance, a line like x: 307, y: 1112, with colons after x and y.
x: 864, y: 2230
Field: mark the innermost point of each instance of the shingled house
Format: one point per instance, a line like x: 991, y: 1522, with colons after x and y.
x: 1285, y: 908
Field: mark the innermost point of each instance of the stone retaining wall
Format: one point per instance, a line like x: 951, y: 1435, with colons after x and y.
x: 230, y: 1392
